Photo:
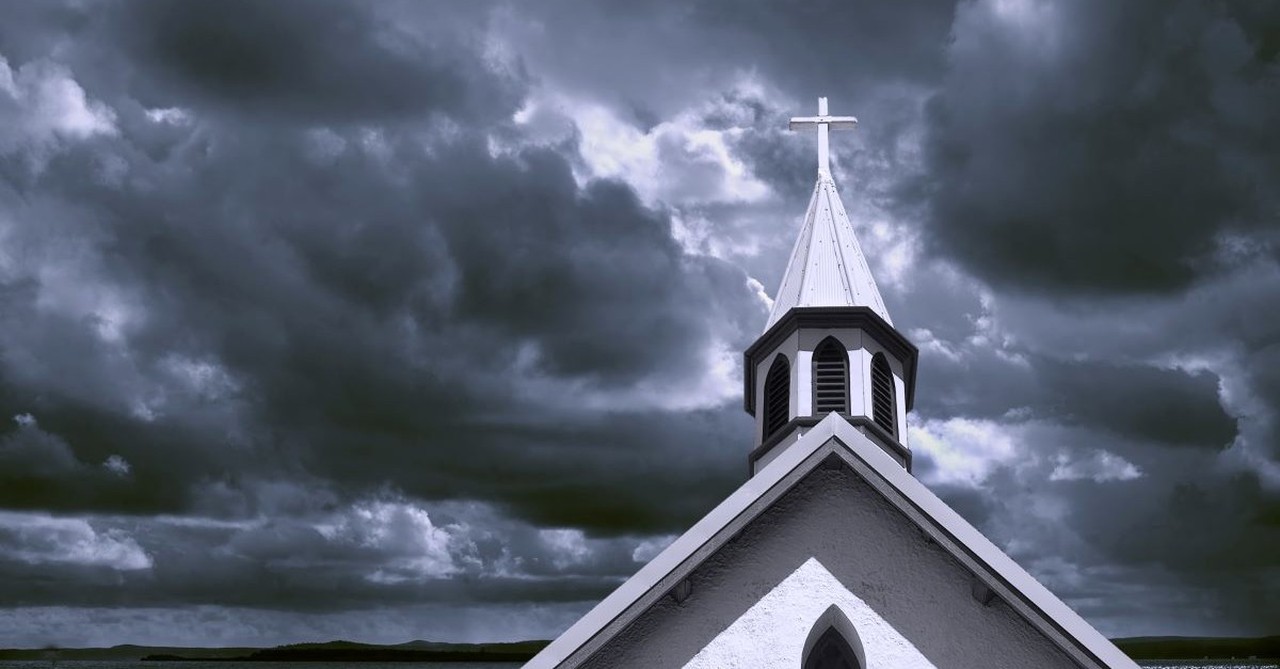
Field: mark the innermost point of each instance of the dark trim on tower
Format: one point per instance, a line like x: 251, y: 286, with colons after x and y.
x: 862, y: 318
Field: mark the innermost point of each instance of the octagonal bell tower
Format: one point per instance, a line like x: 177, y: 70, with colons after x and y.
x: 829, y: 345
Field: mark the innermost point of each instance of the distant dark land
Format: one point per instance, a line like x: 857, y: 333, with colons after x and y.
x: 1196, y: 648
x: 1138, y: 648
x: 332, y: 651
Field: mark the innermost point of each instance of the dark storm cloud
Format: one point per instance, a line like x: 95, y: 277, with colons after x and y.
x: 1230, y: 494
x: 310, y: 285
x: 804, y: 49
x: 373, y: 553
x: 1097, y: 147
x: 321, y: 307
x: 1165, y: 405
x: 1142, y: 526
x: 38, y: 469
x: 30, y: 451
x: 66, y: 400
x: 1102, y: 461
x: 1239, y: 532
x: 360, y: 303
x: 309, y: 62
x: 592, y: 274
x: 851, y: 51
x: 1133, y: 400
x: 698, y: 453
x: 774, y: 154
x: 1262, y: 373
x: 1102, y: 532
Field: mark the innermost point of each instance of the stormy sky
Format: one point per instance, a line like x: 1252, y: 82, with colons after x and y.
x: 403, y: 320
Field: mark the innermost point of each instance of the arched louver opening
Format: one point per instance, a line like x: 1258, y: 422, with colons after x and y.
x: 830, y: 378
x: 882, y: 395
x: 777, y: 395
x: 831, y: 652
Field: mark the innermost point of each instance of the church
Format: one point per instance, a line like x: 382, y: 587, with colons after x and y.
x: 831, y: 555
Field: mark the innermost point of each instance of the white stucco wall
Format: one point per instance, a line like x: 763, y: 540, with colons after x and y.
x: 772, y: 633
x: 803, y: 401
x: 831, y: 540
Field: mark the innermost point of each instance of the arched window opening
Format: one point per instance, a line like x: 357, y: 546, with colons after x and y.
x: 833, y: 643
x: 831, y: 652
x: 777, y: 396
x: 883, y: 400
x: 830, y: 378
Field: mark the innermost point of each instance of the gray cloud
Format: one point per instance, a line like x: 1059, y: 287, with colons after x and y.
x: 291, y: 62
x: 356, y: 303
x: 375, y: 552
x: 1134, y: 400
x: 367, y: 341
x: 1088, y: 148
x: 1142, y: 402
x: 803, y: 50
x: 322, y: 333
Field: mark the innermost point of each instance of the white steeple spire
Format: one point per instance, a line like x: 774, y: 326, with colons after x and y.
x: 827, y: 268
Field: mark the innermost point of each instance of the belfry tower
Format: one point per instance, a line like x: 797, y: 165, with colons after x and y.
x: 829, y: 345
x: 831, y: 554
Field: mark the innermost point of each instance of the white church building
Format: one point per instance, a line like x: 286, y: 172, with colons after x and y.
x: 831, y: 555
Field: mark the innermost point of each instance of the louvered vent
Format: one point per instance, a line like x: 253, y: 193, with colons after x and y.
x: 830, y: 378
x: 777, y: 396
x: 882, y: 396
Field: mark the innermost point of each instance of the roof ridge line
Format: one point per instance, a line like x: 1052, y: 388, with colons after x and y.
x: 808, y: 224
x: 850, y: 292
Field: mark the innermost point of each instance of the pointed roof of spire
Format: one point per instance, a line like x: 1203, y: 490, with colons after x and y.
x: 827, y: 268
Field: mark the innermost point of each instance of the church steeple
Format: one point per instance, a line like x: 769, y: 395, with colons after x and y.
x: 827, y: 268
x: 829, y: 344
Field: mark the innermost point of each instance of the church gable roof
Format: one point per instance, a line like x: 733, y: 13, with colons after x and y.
x: 827, y: 267
x: 833, y: 440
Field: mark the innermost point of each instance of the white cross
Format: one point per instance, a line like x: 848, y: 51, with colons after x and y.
x: 822, y: 122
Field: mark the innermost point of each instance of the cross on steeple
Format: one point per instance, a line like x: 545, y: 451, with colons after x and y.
x: 822, y: 121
